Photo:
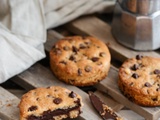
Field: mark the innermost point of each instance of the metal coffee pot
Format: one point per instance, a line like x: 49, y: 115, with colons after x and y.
x: 136, y: 24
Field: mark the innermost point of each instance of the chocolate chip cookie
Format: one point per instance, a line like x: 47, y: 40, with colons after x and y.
x: 80, y: 61
x: 139, y: 80
x: 52, y: 103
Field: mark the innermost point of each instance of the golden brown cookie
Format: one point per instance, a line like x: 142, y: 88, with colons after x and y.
x: 139, y: 80
x: 80, y: 61
x: 52, y: 103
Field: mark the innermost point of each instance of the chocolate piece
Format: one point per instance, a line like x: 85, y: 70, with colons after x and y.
x: 48, y: 115
x: 57, y: 100
x: 147, y: 84
x: 134, y: 67
x: 88, y: 68
x: 87, y: 43
x: 156, y: 71
x: 72, y: 58
x: 138, y: 57
x: 74, y: 49
x: 79, y: 72
x: 135, y: 75
x: 32, y: 108
x: 102, y: 54
x: 95, y: 59
x: 158, y: 89
x: 72, y: 95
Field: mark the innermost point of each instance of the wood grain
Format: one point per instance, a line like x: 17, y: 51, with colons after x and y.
x: 93, y: 26
x: 8, y: 105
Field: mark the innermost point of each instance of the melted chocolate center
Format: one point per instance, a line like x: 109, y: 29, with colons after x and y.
x: 48, y: 115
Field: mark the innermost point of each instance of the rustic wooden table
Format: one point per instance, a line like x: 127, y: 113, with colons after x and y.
x: 40, y: 75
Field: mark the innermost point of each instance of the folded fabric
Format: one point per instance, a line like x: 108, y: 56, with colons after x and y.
x: 23, y: 25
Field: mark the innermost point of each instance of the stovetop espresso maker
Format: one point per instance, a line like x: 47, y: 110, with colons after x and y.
x: 136, y: 24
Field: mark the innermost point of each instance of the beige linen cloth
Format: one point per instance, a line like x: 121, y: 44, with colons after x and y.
x: 23, y: 25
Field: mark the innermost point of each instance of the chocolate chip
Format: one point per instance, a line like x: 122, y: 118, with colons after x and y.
x: 66, y: 48
x: 54, y: 46
x: 154, y: 99
x: 95, y: 59
x: 37, y: 99
x: 82, y: 46
x: 79, y: 72
x: 87, y: 43
x: 88, y: 68
x: 158, y: 89
x: 72, y: 95
x: 74, y: 49
x: 135, y: 75
x: 135, y: 67
x: 32, y: 108
x: 156, y: 71
x: 72, y: 58
x: 57, y: 100
x: 147, y: 84
x: 138, y: 57
x: 102, y: 54
x: 63, y: 62
x: 48, y: 95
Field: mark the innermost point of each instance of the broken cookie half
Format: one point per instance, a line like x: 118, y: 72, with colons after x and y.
x: 52, y: 103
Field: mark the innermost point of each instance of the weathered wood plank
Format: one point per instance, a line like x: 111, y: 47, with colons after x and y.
x: 109, y: 86
x: 8, y: 105
x: 109, y: 101
x: 93, y: 26
x: 130, y: 115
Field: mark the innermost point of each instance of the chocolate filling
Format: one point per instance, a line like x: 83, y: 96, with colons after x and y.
x: 48, y: 115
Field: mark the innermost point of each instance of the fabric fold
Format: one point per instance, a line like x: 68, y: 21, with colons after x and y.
x: 23, y: 26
